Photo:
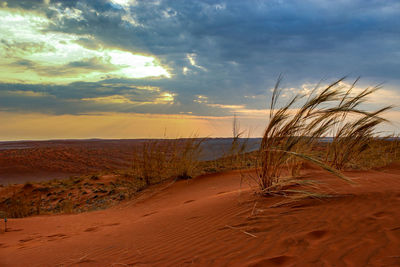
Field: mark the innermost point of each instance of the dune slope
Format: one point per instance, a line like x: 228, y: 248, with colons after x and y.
x: 216, y: 220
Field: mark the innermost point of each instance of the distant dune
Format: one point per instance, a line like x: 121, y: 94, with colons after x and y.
x: 23, y: 161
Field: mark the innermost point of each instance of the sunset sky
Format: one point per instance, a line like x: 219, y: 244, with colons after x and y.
x: 138, y: 69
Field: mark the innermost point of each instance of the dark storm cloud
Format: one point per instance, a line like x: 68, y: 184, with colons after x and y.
x: 75, y: 98
x: 239, y: 47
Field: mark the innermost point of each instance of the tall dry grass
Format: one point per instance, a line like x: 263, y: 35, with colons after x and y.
x: 158, y: 160
x: 296, y: 128
x: 236, y: 154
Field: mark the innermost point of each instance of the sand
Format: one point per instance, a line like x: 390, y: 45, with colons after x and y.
x: 216, y: 220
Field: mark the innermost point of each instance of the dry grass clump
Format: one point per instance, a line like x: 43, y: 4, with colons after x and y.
x: 158, y: 160
x: 296, y: 128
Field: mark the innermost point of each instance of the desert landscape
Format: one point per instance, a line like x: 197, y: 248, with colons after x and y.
x: 294, y: 197
x: 199, y: 133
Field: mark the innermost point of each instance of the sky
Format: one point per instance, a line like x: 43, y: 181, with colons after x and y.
x: 175, y: 68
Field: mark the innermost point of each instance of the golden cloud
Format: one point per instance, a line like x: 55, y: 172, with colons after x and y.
x: 31, y: 54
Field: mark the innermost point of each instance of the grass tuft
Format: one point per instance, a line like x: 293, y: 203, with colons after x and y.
x: 296, y: 128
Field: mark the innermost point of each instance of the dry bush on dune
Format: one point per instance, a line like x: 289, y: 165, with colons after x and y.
x: 296, y: 128
x: 185, y: 157
x: 292, y: 132
x: 158, y: 160
x: 150, y: 160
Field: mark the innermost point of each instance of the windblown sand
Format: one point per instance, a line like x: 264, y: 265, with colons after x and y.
x: 216, y: 220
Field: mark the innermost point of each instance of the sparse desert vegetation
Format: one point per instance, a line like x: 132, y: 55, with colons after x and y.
x: 156, y: 133
x: 77, y: 194
x: 294, y: 135
x: 151, y: 162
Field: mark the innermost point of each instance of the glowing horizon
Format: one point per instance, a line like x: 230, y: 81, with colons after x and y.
x: 115, y: 126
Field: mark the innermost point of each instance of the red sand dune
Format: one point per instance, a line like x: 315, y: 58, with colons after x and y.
x: 24, y: 161
x: 213, y: 221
